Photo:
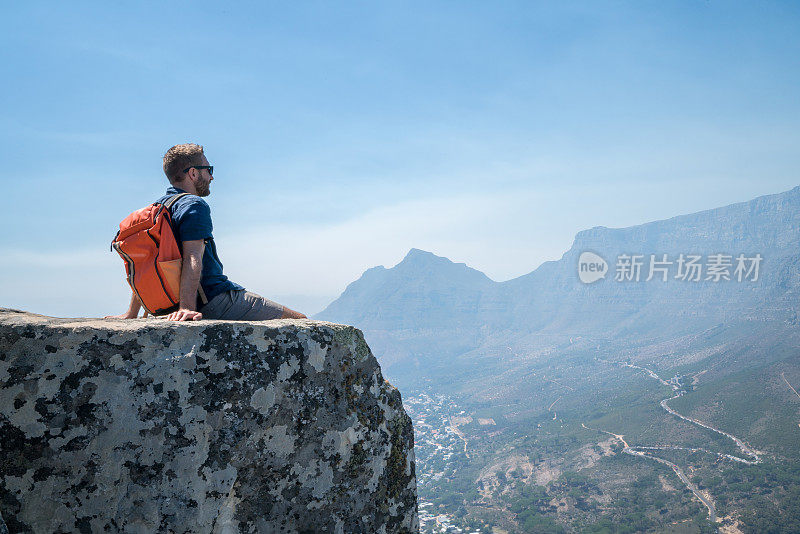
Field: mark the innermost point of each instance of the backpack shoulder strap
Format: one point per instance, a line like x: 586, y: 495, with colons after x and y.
x: 168, y: 204
x: 174, y: 198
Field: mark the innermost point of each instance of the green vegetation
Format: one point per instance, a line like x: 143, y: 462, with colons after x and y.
x: 754, y: 403
x: 540, y: 470
x: 538, y: 524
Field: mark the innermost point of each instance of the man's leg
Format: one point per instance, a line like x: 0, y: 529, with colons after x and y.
x: 262, y: 309
x: 220, y: 307
x: 291, y: 314
x: 241, y: 305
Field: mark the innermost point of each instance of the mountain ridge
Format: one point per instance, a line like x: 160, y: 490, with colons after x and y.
x: 427, y: 304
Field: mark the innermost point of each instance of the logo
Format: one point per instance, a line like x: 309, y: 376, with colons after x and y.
x: 687, y: 268
x: 591, y: 267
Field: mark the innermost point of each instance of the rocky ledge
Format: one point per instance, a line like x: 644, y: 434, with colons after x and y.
x: 211, y: 426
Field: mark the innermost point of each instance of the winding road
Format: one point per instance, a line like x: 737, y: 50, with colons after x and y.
x: 634, y: 451
x: 457, y: 431
x: 643, y: 451
x: 783, y: 375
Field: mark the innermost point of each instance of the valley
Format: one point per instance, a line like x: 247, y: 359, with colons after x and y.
x: 568, y: 472
x: 541, y: 403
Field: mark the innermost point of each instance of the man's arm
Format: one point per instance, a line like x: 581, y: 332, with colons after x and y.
x: 191, y: 271
x: 133, y: 309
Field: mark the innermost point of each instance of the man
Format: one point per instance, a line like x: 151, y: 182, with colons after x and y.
x: 188, y: 171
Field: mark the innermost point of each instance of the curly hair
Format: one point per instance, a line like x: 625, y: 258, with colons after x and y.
x: 179, y: 157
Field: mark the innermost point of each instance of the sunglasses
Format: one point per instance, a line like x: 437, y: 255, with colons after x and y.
x: 209, y: 167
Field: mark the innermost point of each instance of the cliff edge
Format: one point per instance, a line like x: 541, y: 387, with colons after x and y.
x: 211, y: 426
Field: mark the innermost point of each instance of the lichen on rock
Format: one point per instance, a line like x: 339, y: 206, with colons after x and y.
x: 209, y: 426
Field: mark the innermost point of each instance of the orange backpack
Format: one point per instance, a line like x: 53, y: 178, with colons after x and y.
x: 146, y: 241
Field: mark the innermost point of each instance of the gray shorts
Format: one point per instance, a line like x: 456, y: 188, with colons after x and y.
x: 241, y: 305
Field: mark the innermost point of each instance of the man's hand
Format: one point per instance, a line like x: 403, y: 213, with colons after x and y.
x: 184, y: 315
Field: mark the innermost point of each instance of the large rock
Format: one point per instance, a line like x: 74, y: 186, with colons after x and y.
x: 213, y: 426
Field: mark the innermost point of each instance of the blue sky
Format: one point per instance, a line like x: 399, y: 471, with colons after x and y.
x: 345, y: 133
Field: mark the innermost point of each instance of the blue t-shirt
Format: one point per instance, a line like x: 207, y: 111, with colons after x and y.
x: 191, y: 219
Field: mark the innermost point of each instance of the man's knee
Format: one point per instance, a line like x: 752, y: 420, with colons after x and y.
x: 259, y: 308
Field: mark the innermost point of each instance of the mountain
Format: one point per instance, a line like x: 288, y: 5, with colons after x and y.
x: 422, y: 290
x: 424, y: 304
x: 429, y: 313
x: 546, y: 404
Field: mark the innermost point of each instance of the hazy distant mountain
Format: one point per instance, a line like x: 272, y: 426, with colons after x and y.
x: 424, y: 305
x: 423, y: 290
x: 429, y: 311
x: 552, y: 297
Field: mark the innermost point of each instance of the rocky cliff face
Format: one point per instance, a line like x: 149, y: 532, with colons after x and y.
x: 214, y: 426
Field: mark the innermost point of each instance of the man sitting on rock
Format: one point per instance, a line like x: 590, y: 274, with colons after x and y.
x: 188, y: 171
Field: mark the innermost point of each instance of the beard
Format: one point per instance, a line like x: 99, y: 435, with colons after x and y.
x: 203, y: 188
